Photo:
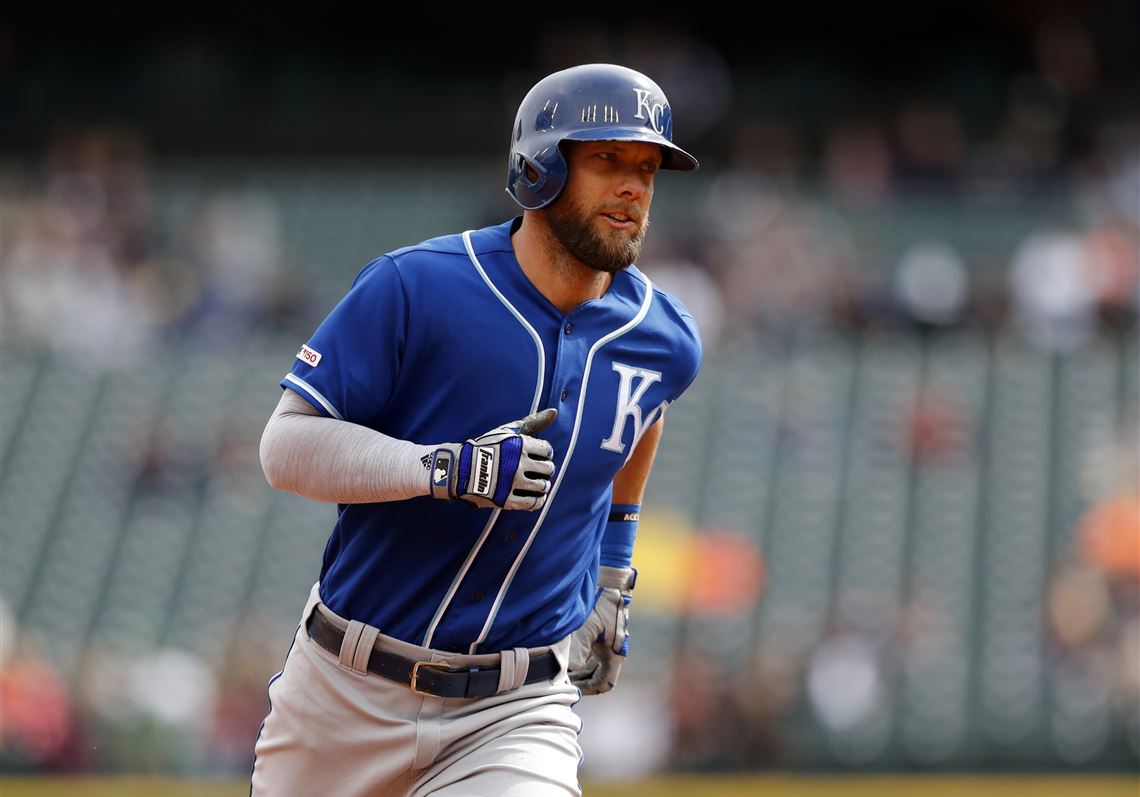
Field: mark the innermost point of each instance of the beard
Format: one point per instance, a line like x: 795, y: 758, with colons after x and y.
x: 575, y: 229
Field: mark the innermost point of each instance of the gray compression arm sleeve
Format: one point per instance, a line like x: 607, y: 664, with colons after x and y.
x: 318, y: 457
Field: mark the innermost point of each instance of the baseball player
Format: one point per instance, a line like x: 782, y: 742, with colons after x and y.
x: 484, y: 408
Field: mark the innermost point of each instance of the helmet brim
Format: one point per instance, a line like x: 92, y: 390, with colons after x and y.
x: 672, y: 156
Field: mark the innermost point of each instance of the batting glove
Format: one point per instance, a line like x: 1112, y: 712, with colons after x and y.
x: 506, y: 467
x: 599, y: 647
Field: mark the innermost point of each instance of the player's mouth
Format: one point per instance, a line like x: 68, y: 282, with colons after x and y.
x: 620, y: 220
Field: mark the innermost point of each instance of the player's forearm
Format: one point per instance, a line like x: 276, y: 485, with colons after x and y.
x: 325, y: 459
x: 629, y: 484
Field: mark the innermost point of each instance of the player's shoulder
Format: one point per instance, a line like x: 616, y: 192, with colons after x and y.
x: 445, y: 248
x: 442, y: 250
x: 423, y: 263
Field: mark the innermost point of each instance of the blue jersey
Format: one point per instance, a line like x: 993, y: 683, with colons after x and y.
x: 441, y: 342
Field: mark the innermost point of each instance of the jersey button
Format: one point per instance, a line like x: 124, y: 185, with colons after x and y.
x: 569, y: 327
x: 513, y: 535
x: 480, y: 595
x: 565, y: 394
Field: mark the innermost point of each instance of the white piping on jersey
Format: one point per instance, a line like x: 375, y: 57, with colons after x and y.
x: 316, y: 394
x: 617, y: 333
x: 518, y: 316
x: 439, y: 612
x: 459, y: 579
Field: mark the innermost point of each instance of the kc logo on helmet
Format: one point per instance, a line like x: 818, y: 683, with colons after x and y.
x: 649, y: 111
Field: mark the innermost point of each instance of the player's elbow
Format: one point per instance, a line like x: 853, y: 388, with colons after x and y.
x: 269, y: 452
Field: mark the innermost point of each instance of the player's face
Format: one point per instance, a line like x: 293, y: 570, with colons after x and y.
x: 603, y: 213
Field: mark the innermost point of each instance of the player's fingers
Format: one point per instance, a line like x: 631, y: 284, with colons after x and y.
x: 527, y: 485
x: 536, y: 422
x: 543, y: 468
x: 535, y: 448
x: 527, y: 501
x: 582, y: 678
x: 598, y: 684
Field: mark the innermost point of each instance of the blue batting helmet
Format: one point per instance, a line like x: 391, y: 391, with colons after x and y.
x: 595, y: 102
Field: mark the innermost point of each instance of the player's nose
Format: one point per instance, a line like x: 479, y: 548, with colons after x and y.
x: 632, y: 184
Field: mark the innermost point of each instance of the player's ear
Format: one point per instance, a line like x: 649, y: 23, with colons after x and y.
x: 531, y: 174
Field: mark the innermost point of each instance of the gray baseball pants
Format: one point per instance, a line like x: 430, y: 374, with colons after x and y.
x: 337, y: 730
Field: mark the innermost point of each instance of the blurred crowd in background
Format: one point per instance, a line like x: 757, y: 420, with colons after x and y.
x: 794, y: 231
x: 999, y: 197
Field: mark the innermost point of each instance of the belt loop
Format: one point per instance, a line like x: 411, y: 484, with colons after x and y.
x: 364, y: 649
x: 349, y: 644
x: 513, y: 668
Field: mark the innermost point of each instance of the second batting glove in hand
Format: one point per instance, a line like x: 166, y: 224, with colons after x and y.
x: 599, y: 647
x: 507, y: 467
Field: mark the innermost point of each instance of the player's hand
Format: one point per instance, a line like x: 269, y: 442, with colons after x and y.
x: 599, y: 647
x: 508, y: 467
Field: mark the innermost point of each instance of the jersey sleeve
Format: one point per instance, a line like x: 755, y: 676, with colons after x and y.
x: 691, y: 354
x: 350, y: 366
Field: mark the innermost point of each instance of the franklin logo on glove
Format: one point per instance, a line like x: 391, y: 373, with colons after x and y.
x: 483, y: 476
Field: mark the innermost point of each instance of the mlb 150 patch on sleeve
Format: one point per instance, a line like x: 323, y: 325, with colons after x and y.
x: 309, y: 356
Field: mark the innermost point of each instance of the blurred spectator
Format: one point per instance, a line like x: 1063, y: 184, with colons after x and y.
x: 76, y: 278
x: 931, y: 146
x: 1112, y: 269
x: 937, y: 430
x: 1109, y: 537
x: 726, y: 575
x: 62, y: 289
x: 932, y: 284
x: 844, y: 682
x: 629, y: 734
x: 1052, y: 300
x: 785, y: 263
x: 235, y: 247
x: 1094, y: 605
x: 242, y: 701
x: 37, y: 722
x: 1078, y: 606
x: 708, y: 721
x: 766, y: 694
x: 89, y: 274
x: 857, y: 163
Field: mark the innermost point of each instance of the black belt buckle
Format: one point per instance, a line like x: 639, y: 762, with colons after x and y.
x: 439, y: 665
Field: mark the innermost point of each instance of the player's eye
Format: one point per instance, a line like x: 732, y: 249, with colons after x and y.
x: 650, y: 166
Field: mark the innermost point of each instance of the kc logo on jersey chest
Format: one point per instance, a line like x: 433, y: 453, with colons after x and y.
x: 632, y: 384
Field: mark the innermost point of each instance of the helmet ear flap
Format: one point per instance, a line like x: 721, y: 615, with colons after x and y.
x: 531, y: 173
x: 533, y: 183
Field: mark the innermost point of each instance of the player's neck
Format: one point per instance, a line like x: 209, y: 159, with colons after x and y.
x: 562, y: 279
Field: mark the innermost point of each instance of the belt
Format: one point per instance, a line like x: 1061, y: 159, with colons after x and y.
x: 430, y: 677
